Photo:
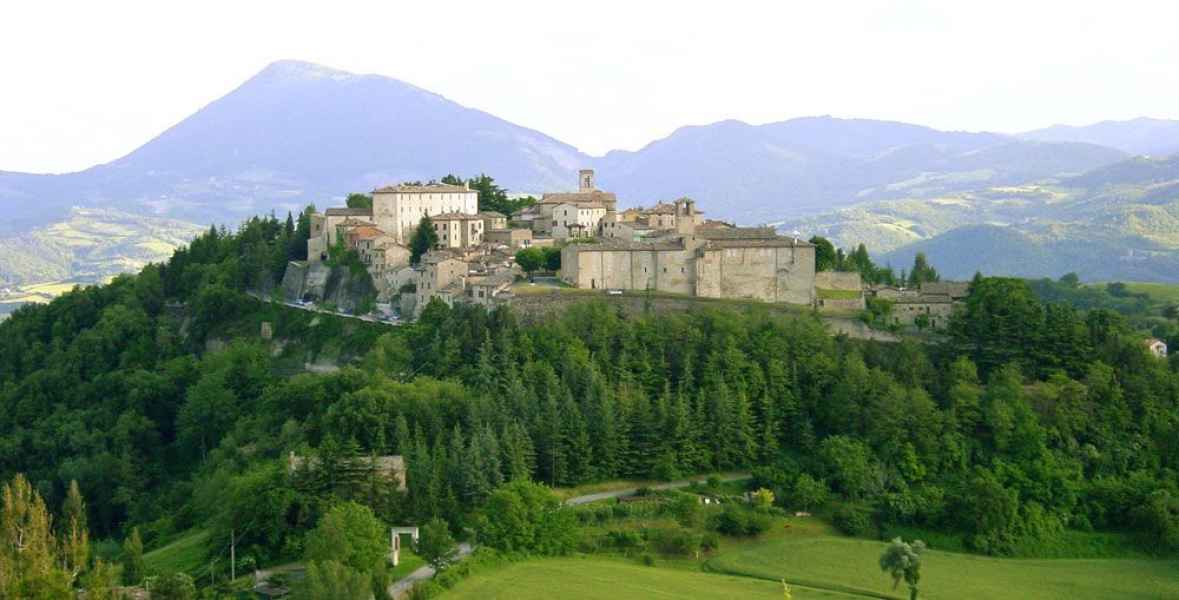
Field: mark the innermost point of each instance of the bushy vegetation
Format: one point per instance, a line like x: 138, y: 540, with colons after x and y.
x: 1030, y: 419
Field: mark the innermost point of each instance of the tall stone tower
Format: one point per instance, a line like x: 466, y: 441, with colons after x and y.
x: 586, y: 179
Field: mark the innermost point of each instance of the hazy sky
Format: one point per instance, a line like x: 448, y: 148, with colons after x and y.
x: 86, y: 82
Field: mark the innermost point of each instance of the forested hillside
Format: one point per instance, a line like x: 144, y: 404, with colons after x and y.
x: 1027, y: 420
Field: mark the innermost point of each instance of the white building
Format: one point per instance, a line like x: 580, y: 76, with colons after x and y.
x: 577, y: 220
x: 398, y: 209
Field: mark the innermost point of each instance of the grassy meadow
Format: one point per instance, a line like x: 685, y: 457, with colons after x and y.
x: 850, y: 565
x: 819, y: 563
x: 611, y: 579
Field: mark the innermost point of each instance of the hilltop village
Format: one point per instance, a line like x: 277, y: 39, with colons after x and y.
x: 669, y: 247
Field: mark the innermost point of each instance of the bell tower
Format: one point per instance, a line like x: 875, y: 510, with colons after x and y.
x: 585, y: 180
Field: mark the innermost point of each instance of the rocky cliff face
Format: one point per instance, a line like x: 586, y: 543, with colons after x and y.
x: 321, y: 283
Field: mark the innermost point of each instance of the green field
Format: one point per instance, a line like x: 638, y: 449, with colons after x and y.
x: 185, y: 554
x: 850, y: 565
x: 1162, y: 293
x: 609, y: 579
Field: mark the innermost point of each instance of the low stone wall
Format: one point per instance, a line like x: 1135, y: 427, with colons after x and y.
x: 841, y: 304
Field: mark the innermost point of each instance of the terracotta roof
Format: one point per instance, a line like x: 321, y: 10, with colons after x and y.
x: 437, y: 256
x: 430, y: 188
x: 954, y: 289
x: 743, y: 233
x: 348, y: 212
x: 579, y: 197
x: 758, y: 243
x: 618, y: 245
x: 366, y: 232
x: 925, y: 299
x: 491, y: 214
x: 456, y: 216
x: 351, y: 222
x: 495, y: 279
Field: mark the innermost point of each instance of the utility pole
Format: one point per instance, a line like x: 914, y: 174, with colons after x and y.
x: 232, y: 554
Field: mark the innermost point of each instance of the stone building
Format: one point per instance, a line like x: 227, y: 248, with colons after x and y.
x: 932, y: 304
x: 1156, y: 347
x: 512, y: 238
x: 839, y: 291
x: 325, y: 228
x: 458, y: 230
x: 484, y: 280
x: 573, y: 221
x: 493, y: 220
x: 399, y: 208
x: 636, y: 224
x: 753, y: 263
x: 597, y: 203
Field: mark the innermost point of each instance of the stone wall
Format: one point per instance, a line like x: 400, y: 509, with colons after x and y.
x: 837, y: 280
x: 769, y: 274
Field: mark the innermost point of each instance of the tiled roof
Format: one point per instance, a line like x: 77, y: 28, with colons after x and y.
x: 618, y: 244
x: 348, y: 212
x: 366, y: 232
x: 456, y: 216
x: 758, y: 243
x: 491, y: 214
x: 595, y: 196
x: 741, y: 233
x: 925, y: 299
x: 954, y: 289
x: 430, y: 188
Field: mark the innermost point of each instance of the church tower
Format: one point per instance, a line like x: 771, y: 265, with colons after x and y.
x: 586, y: 179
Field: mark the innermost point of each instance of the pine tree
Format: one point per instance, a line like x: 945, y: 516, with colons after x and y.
x: 424, y: 238
x: 577, y: 448
x: 134, y: 569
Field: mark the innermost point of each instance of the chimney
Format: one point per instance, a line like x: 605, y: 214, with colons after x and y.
x: 586, y: 180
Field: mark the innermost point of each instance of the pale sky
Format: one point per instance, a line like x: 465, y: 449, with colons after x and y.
x: 86, y: 82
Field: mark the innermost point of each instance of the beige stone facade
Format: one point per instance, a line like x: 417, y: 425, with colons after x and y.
x: 741, y: 263
x: 399, y: 208
x: 458, y: 230
x: 513, y: 238
x: 555, y: 216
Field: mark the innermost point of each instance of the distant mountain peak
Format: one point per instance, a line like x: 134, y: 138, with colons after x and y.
x: 302, y: 70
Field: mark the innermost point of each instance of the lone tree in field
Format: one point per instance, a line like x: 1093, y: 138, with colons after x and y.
x: 903, y: 561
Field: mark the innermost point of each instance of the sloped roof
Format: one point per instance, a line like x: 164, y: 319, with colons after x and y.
x: 596, y: 196
x: 456, y: 216
x: 430, y: 188
x: 954, y: 289
x: 348, y: 212
x: 743, y: 233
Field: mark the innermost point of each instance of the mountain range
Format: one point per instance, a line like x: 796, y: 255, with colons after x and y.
x: 298, y: 133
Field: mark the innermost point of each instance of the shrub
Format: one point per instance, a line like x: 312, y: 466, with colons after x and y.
x: 674, y: 541
x: 647, y: 559
x: 710, y: 541
x: 740, y: 522
x: 174, y: 586
x: 686, y: 509
x: 852, y: 519
x: 762, y: 499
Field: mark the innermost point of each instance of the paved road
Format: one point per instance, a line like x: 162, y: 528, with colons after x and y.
x: 659, y: 486
x: 315, y: 309
x: 402, y: 586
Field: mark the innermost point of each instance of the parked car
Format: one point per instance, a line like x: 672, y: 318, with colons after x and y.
x: 614, y: 292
